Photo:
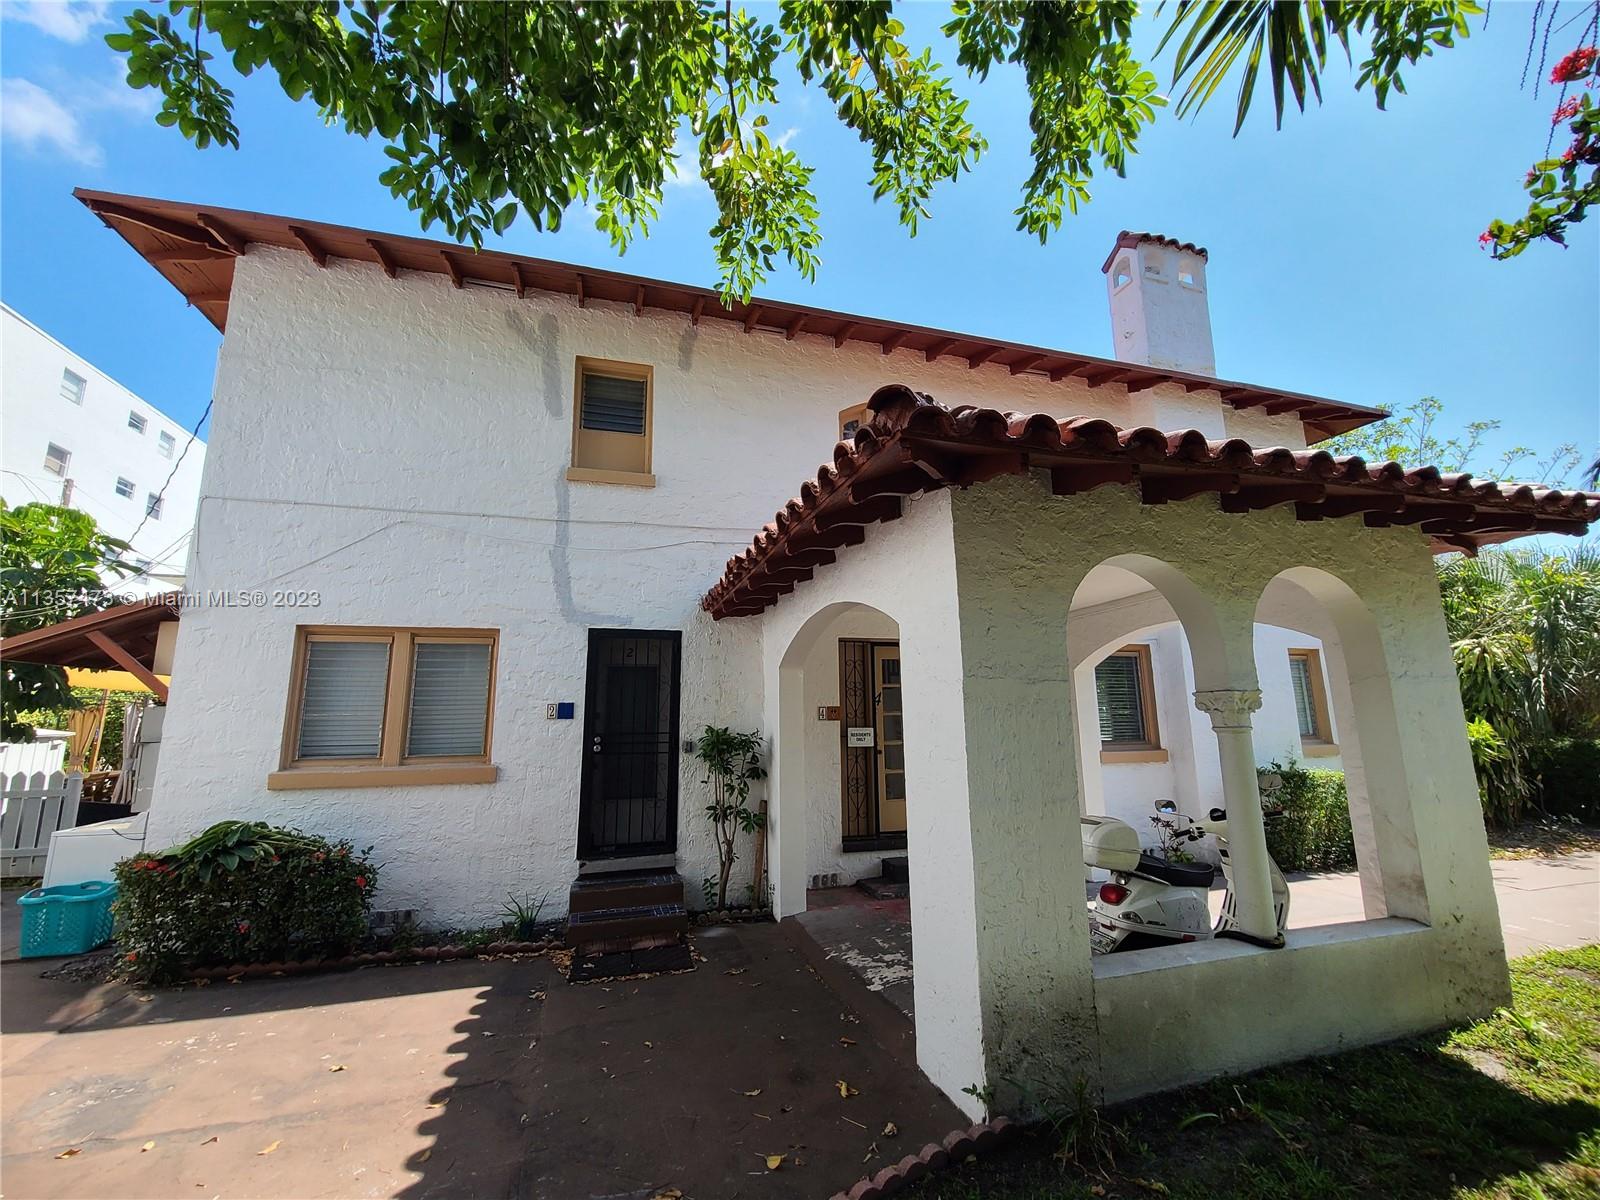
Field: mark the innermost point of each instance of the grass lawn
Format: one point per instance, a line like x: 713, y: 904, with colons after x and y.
x: 1508, y: 1108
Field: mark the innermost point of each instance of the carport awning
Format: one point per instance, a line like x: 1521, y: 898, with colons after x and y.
x: 914, y: 445
x: 120, y: 638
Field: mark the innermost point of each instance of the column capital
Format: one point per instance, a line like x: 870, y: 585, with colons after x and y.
x: 1229, y: 708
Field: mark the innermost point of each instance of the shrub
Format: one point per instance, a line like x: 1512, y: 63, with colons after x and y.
x: 1566, y: 777
x: 1313, y: 834
x: 241, y: 892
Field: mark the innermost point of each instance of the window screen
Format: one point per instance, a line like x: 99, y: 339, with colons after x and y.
x: 165, y: 443
x: 56, y: 459
x: 341, y: 708
x: 612, y: 404
x: 72, y: 385
x: 125, y: 488
x: 152, y: 506
x: 1305, y: 707
x: 449, y: 699
x: 1119, y: 689
x: 135, y: 422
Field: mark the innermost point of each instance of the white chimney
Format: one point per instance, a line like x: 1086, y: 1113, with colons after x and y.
x: 1159, y: 313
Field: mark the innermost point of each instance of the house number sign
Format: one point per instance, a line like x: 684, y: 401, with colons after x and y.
x: 858, y: 735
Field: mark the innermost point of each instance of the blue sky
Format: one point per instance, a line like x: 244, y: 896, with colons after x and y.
x: 1344, y: 259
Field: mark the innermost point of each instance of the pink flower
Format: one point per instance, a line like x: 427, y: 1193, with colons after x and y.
x: 1486, y: 238
x: 1566, y: 111
x: 244, y: 926
x: 361, y: 881
x: 1574, y: 66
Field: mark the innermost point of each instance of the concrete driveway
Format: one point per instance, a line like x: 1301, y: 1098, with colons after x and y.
x: 461, y: 1079
x: 1545, y: 903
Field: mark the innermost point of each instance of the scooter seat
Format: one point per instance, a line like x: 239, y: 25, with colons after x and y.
x: 1177, y: 874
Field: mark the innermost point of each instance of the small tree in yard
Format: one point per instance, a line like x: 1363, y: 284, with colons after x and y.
x: 733, y: 762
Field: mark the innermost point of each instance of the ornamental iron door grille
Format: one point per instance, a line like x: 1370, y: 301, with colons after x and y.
x: 872, y: 792
x: 628, y: 802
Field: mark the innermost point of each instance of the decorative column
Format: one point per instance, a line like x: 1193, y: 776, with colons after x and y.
x: 1229, y: 710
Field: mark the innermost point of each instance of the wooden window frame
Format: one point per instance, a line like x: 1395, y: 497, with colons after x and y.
x: 392, y: 767
x: 1149, y: 749
x: 1322, y: 745
x: 579, y: 473
x: 856, y: 412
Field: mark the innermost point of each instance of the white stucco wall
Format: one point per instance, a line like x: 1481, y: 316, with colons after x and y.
x: 399, y: 447
x: 33, y: 414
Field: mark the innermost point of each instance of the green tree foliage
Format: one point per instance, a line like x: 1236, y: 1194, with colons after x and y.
x: 1412, y: 437
x: 732, y: 762
x: 1524, y: 628
x: 52, y: 564
x: 489, y: 110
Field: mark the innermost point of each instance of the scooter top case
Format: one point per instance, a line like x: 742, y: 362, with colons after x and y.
x: 1109, y: 843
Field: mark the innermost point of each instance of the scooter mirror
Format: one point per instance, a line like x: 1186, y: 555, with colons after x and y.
x: 1166, y: 806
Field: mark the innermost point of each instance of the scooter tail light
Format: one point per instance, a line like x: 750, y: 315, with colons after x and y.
x: 1113, y: 894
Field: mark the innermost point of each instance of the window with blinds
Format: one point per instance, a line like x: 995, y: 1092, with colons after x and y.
x: 449, y: 699
x: 1310, y: 702
x: 341, y: 708
x: 611, y: 431
x: 1122, y: 692
x: 390, y: 698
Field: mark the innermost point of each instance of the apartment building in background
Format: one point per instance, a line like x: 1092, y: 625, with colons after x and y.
x: 72, y: 435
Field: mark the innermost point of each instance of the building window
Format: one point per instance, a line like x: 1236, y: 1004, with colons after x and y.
x: 1310, y: 699
x: 1124, y: 687
x: 370, y: 706
x: 852, y: 419
x: 1121, y: 274
x: 166, y: 443
x: 152, y: 506
x: 125, y: 488
x: 56, y: 459
x: 72, y: 386
x: 135, y: 422
x: 612, y: 423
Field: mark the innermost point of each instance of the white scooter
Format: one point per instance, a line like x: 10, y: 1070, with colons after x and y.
x: 1150, y: 901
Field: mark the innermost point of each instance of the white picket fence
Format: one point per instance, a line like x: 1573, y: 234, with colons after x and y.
x: 35, y: 807
x: 47, y: 752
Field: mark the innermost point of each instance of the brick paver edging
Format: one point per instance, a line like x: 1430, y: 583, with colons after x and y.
x: 958, y: 1146
x: 370, y: 958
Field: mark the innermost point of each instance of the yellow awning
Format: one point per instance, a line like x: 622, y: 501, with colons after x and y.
x: 116, y: 681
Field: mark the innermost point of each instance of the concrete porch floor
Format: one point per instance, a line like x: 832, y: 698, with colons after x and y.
x: 1545, y: 903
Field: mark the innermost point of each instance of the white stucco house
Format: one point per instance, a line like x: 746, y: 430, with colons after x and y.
x: 511, y: 524
x: 76, y: 437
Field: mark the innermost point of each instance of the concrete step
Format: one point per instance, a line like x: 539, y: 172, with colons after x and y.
x: 627, y: 928
x: 626, y: 889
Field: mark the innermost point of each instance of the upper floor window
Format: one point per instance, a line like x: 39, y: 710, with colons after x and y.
x: 56, y: 459
x: 613, y: 416
x: 152, y: 506
x: 852, y: 419
x: 1125, y: 694
x: 72, y: 386
x: 125, y: 488
x: 136, y: 422
x: 165, y: 442
x: 1310, y: 698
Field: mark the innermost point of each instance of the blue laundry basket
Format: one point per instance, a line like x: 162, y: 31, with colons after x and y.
x: 70, y: 919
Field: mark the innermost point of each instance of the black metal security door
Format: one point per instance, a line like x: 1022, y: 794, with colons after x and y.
x: 628, y: 804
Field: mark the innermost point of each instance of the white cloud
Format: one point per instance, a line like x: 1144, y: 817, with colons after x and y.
x: 71, y: 22
x: 114, y: 94
x: 34, y: 119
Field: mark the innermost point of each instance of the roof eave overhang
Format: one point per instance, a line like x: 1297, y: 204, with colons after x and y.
x: 194, y: 247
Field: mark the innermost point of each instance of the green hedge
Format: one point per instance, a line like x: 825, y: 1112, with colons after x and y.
x: 241, y: 892
x: 1314, y: 832
x: 1565, y: 777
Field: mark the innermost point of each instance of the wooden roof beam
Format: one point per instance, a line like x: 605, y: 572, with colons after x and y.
x: 174, y: 229
x: 1109, y: 375
x: 796, y: 327
x: 1266, y: 496
x: 1057, y: 374
x: 638, y: 300
x: 1026, y: 363
x: 892, y: 343
x: 982, y: 356
x: 217, y: 229
x: 187, y: 254
x: 309, y: 245
x: 384, y: 260
x: 845, y: 331
x: 1140, y: 383
x: 580, y: 283
x: 521, y: 284
x: 128, y: 663
x: 1181, y: 485
x: 751, y: 316
x: 453, y: 267
x: 1072, y: 479
x: 942, y: 346
x: 699, y: 307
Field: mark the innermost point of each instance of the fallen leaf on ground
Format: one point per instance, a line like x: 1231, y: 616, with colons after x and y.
x: 440, y: 1103
x: 774, y: 1161
x: 144, y: 999
x: 669, y: 1194
x: 269, y: 1149
x: 872, y: 1150
x: 72, y: 1153
x: 209, y: 1140
x: 844, y: 1041
x: 890, y: 1129
x: 147, y: 1146
x: 649, y: 1045
x: 337, y: 1067
x: 845, y: 1090
x: 751, y: 1092
x: 738, y: 971
x: 425, y: 1155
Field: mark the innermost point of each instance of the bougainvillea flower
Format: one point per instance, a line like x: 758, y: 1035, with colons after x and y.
x: 1574, y: 66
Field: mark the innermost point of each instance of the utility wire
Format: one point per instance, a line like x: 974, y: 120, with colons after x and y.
x: 193, y: 434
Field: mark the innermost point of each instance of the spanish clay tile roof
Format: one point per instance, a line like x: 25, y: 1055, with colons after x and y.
x: 194, y: 248
x: 914, y: 445
x: 1131, y: 238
